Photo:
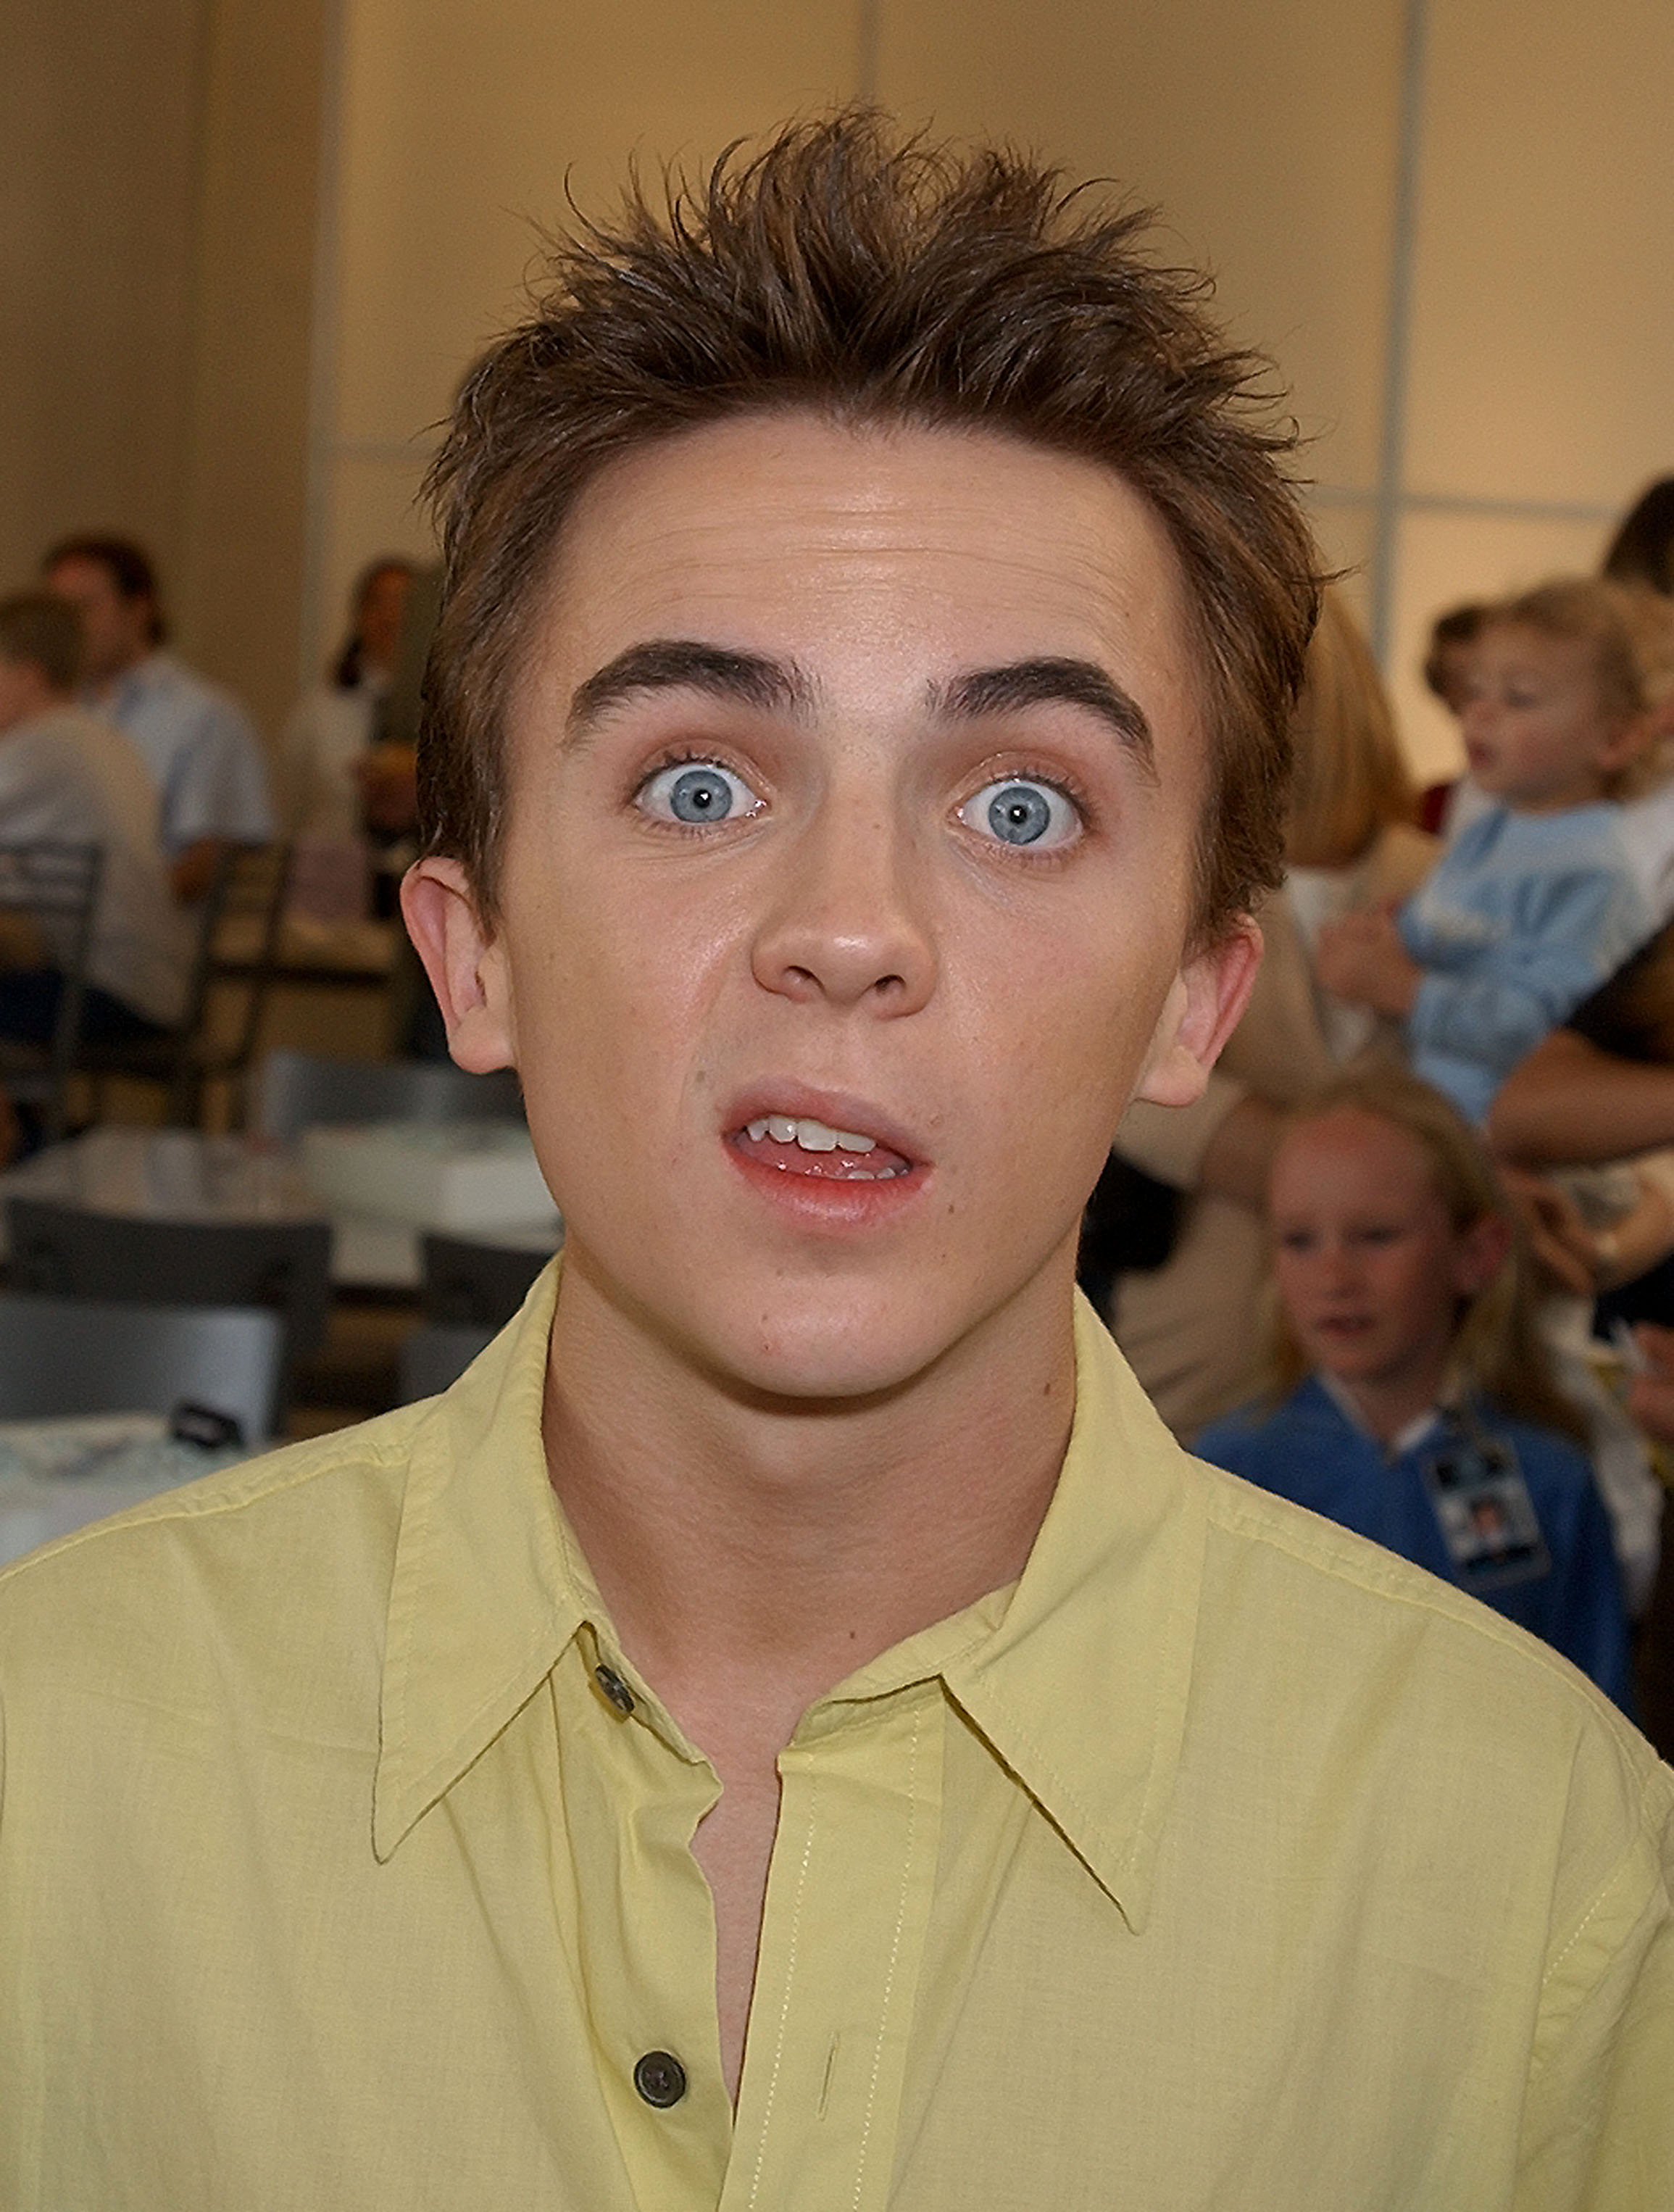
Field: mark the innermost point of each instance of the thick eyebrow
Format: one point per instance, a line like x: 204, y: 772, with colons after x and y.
x: 1047, y: 683
x: 674, y: 663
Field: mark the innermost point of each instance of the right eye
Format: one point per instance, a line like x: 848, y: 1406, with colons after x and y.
x: 693, y: 792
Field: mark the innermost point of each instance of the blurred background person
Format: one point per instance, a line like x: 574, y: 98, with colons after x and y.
x: 1409, y: 1395
x: 334, y: 725
x: 69, y: 777
x: 1352, y: 843
x: 1539, y: 897
x: 335, y: 755
x: 200, y: 746
x: 1642, y: 550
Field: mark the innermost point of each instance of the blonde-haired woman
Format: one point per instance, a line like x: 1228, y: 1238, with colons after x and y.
x: 1187, y: 1325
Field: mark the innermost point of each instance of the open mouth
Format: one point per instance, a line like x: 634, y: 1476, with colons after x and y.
x: 796, y: 1144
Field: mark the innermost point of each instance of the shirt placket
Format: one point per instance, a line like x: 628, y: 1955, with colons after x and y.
x: 643, y: 1931
x: 848, y: 1902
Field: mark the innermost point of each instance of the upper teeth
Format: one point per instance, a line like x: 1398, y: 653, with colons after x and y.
x: 813, y: 1136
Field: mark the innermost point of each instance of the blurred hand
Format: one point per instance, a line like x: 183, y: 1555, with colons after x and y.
x: 1561, y: 1242
x: 1361, y: 957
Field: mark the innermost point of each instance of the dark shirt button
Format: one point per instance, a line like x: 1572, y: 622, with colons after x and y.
x: 660, y: 2079
x: 620, y: 1696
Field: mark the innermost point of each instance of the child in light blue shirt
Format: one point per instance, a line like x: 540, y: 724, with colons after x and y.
x: 1537, y: 901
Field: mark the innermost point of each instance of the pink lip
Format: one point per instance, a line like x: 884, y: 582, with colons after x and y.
x: 811, y: 1194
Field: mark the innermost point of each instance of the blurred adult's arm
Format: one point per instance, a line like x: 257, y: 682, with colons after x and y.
x: 1568, y: 1103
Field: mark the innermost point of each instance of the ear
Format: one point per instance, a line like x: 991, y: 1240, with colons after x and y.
x: 465, y: 961
x: 1480, y: 1254
x: 1632, y: 738
x: 1205, y: 1004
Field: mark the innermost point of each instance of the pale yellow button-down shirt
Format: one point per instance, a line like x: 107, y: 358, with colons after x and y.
x: 1225, y: 1862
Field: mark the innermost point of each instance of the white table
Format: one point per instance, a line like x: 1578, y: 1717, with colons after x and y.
x: 180, y: 1175
x: 57, y: 1476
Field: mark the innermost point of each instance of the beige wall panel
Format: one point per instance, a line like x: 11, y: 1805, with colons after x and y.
x: 462, y: 118
x: 238, y: 590
x: 1445, y: 559
x: 374, y: 510
x: 98, y: 163
x: 1268, y: 135
x: 1543, y: 330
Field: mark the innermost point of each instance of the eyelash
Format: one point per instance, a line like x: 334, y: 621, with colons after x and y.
x: 1001, y: 771
x: 1004, y: 771
x: 684, y: 756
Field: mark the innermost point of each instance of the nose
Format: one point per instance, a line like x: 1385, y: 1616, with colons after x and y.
x: 848, y: 925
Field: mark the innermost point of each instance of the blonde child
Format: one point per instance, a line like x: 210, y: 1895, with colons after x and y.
x: 1540, y: 898
x: 1412, y: 1400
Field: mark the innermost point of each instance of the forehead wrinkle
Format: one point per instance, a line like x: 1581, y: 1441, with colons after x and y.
x: 747, y: 679
x: 1050, y: 681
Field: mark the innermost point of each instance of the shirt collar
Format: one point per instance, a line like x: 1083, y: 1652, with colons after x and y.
x: 1077, y: 1679
x: 1081, y: 1688
x: 482, y: 1597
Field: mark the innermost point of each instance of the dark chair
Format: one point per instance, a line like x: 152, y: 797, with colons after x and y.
x: 296, y: 1090
x: 473, y: 1286
x: 434, y: 1357
x: 237, y: 942
x: 61, y: 1356
x: 57, y: 886
x: 63, y: 1251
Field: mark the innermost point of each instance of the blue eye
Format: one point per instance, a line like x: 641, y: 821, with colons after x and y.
x: 696, y: 792
x: 1020, y: 811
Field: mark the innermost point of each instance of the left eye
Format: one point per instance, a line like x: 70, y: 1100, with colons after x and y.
x: 695, y: 791
x: 1020, y: 812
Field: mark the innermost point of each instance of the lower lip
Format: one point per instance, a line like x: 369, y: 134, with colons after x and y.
x: 826, y: 1200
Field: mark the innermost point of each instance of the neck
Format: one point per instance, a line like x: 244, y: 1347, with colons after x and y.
x: 107, y: 679
x: 1386, y: 1407
x: 754, y: 1551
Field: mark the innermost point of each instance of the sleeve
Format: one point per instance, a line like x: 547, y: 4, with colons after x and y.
x: 1568, y: 935
x: 218, y: 786
x: 1599, y: 2116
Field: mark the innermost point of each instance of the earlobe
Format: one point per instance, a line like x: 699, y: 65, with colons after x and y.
x: 1205, y: 1003
x: 465, y: 961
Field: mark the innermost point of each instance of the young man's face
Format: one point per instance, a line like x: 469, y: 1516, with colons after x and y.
x: 847, y: 880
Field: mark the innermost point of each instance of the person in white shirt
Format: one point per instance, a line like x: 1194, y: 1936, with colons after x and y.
x: 198, y: 742
x: 332, y: 725
x: 66, y: 776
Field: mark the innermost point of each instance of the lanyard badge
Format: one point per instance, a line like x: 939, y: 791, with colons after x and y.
x: 1487, y: 1516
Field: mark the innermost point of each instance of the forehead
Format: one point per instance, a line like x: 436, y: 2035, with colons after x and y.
x: 1520, y: 645
x: 79, y: 577
x: 1349, y: 1152
x: 890, y: 546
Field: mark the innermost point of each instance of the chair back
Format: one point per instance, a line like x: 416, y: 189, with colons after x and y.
x: 473, y: 1286
x: 235, y: 938
x: 65, y: 1251
x: 238, y: 940
x: 56, y: 885
x: 296, y: 1090
x: 61, y: 1356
